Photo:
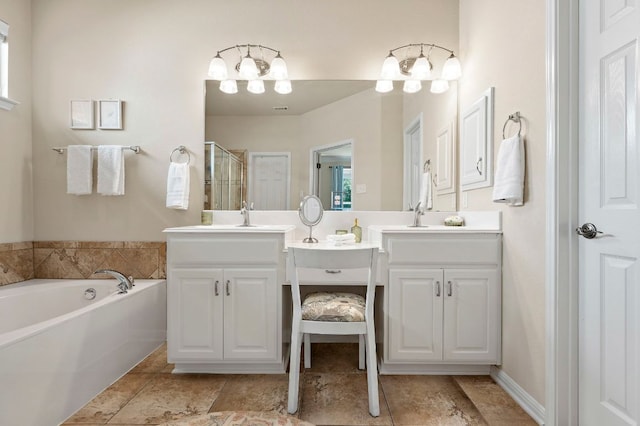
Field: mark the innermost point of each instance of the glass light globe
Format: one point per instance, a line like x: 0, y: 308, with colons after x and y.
x: 283, y: 87
x: 255, y: 86
x: 452, y: 70
x: 412, y: 86
x: 421, y: 69
x: 279, y: 68
x: 439, y: 86
x: 390, y: 68
x: 248, y: 69
x: 229, y: 86
x: 218, y: 68
x: 384, y: 86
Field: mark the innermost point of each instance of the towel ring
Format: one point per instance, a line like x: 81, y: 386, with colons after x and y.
x: 182, y: 150
x: 515, y: 117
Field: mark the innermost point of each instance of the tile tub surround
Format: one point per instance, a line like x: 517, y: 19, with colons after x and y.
x: 23, y: 261
x: 79, y: 259
x: 16, y: 262
x: 333, y: 392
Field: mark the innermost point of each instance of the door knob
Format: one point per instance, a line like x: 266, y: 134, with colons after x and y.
x: 588, y: 230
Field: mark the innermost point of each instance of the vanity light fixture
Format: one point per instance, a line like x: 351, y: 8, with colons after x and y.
x: 416, y: 66
x: 252, y: 66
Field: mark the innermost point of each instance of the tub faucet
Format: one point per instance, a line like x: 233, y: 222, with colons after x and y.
x: 244, y: 211
x: 124, y: 283
x: 417, y: 213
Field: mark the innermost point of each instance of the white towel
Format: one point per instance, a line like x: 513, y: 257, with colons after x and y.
x: 178, y: 186
x: 509, y: 181
x: 110, y: 170
x: 79, y: 169
x: 426, y: 193
x: 341, y: 239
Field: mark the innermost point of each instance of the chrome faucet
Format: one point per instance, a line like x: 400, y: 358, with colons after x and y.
x: 417, y: 213
x: 124, y: 283
x: 244, y: 211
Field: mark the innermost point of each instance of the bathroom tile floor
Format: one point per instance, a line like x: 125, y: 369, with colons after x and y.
x: 332, y: 392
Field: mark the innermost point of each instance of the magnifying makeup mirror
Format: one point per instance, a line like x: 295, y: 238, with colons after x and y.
x: 310, y: 212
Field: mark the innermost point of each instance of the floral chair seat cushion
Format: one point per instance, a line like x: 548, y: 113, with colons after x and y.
x: 336, y: 306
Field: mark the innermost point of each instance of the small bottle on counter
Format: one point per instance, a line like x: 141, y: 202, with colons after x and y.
x: 357, y: 231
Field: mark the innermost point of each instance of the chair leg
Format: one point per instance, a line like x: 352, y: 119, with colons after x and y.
x: 361, y: 351
x: 372, y: 372
x: 307, y: 350
x: 294, y: 369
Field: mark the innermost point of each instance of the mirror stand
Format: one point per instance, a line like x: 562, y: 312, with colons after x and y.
x: 310, y: 238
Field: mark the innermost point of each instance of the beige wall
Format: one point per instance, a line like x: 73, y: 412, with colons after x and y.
x: 498, y: 49
x: 154, y: 55
x: 16, y: 186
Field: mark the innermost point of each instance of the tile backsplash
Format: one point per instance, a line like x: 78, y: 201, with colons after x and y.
x: 16, y: 262
x: 79, y: 259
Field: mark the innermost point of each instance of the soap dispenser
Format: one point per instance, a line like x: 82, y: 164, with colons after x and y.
x: 357, y: 231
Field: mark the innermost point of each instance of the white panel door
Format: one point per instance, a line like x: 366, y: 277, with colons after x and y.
x: 609, y: 310
x: 269, y: 180
x: 414, y: 315
x: 445, y: 177
x: 412, y: 176
x: 194, y: 314
x: 476, y: 143
x: 471, y: 315
x: 250, y: 314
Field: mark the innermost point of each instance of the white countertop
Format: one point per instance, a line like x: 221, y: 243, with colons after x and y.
x: 232, y: 229
x: 328, y: 245
x: 434, y: 229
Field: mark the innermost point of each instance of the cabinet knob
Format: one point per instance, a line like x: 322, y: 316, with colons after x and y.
x: 227, y: 288
x: 216, y: 289
x: 437, y: 288
x: 449, y: 289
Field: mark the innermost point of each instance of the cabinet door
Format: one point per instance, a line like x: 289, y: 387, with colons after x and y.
x: 472, y: 315
x: 250, y: 314
x: 415, y: 315
x: 194, y: 314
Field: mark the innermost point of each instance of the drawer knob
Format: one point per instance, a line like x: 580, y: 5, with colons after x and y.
x: 333, y: 271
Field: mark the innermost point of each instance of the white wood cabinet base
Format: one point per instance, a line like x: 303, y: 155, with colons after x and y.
x: 442, y: 303
x: 224, y: 301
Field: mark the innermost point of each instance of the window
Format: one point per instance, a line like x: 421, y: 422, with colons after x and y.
x: 5, y: 102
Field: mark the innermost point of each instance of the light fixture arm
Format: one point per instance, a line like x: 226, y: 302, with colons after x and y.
x: 422, y: 45
x: 249, y: 47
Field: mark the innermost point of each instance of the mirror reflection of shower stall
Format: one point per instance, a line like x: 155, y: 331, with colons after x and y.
x: 333, y: 176
x: 225, y: 178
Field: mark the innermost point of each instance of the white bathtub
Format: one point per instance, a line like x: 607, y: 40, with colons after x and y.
x: 58, y: 350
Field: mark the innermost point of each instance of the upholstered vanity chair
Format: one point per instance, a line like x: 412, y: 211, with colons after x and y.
x: 333, y: 313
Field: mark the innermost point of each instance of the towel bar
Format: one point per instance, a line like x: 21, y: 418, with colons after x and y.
x: 134, y: 148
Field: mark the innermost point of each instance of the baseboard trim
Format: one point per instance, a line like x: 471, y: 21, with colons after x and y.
x: 526, y: 401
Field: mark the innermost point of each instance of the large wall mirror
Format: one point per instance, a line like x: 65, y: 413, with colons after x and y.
x: 342, y: 141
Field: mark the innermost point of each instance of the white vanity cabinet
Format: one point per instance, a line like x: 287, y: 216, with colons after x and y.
x: 442, y: 306
x: 224, y: 301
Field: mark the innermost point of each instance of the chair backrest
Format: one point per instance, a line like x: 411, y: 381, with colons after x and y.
x: 346, y: 258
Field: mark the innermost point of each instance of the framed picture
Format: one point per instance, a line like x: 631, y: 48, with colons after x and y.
x: 110, y: 114
x: 81, y: 114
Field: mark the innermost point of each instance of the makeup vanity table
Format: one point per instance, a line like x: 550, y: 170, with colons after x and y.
x: 439, y: 311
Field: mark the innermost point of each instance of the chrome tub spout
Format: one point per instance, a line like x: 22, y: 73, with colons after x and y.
x: 124, y: 283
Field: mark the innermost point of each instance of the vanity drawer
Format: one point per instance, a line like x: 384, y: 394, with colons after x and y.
x: 472, y: 250
x: 237, y: 251
x: 334, y: 276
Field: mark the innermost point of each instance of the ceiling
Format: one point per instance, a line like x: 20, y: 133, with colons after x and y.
x: 306, y: 96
